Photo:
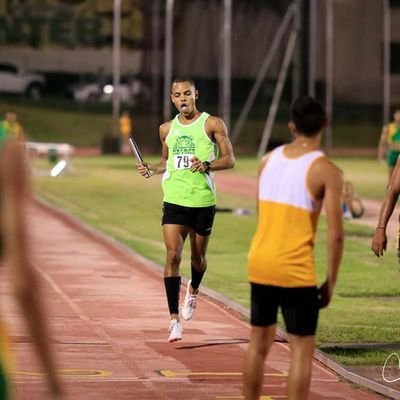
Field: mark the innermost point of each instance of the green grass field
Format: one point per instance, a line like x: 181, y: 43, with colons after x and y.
x: 107, y: 193
x: 59, y: 120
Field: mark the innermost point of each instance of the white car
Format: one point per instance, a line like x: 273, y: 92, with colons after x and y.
x: 14, y: 80
x: 95, y: 91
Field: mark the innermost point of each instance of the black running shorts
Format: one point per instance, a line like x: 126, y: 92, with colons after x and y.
x: 299, y: 306
x: 200, y: 219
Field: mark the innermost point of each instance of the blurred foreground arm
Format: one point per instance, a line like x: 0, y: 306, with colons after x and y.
x: 379, y: 240
x: 14, y: 197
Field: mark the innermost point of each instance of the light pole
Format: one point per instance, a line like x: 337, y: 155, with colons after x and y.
x: 168, y: 57
x: 116, y: 62
x: 386, y: 61
x: 155, y: 61
x: 226, y: 63
x: 329, y: 72
x: 312, y: 39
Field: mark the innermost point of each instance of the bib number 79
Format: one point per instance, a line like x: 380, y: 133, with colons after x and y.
x: 182, y: 161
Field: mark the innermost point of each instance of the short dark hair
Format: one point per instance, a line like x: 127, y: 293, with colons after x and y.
x: 180, y: 79
x: 308, y: 115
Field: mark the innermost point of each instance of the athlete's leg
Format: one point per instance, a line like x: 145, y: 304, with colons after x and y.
x: 263, y: 316
x: 198, y: 246
x: 202, y: 220
x: 302, y: 351
x: 261, y: 339
x: 300, y: 309
x: 174, y: 239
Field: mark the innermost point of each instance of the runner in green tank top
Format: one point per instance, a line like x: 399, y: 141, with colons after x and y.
x: 389, y: 143
x: 14, y: 197
x: 194, y: 145
x: 181, y: 186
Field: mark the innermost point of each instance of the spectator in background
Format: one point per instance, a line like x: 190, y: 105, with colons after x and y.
x: 389, y: 144
x: 351, y: 202
x: 379, y: 241
x: 12, y: 127
x: 14, y: 252
x: 281, y: 267
x: 125, y: 126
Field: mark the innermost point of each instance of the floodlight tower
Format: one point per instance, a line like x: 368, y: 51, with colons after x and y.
x: 116, y: 61
x: 301, y: 73
x: 168, y: 57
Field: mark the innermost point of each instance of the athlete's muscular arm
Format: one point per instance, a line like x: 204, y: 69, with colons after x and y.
x: 160, y: 167
x: 218, y: 133
x: 325, y: 182
x: 14, y: 197
x: 379, y: 240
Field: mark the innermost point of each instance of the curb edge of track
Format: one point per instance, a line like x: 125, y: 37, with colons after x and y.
x: 227, y: 303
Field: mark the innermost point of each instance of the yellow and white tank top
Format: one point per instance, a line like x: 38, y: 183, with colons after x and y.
x: 281, y: 249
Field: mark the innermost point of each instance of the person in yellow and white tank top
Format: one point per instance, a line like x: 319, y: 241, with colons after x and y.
x: 294, y: 180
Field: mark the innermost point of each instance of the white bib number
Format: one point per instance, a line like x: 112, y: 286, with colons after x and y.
x: 182, y: 161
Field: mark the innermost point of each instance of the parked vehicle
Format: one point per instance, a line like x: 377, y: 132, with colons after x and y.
x: 130, y: 91
x: 15, y: 80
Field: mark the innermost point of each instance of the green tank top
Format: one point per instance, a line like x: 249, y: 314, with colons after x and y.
x: 393, y: 134
x: 4, y: 134
x: 180, y: 185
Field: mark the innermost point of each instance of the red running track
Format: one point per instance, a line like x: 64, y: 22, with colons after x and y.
x: 109, y: 319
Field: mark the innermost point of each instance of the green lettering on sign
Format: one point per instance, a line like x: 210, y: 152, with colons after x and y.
x: 88, y: 31
x: 10, y: 30
x: 62, y: 32
x: 34, y: 36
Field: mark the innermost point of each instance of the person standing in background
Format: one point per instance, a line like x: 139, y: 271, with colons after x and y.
x: 379, y: 241
x: 12, y: 127
x: 294, y: 181
x: 389, y: 143
x: 125, y: 128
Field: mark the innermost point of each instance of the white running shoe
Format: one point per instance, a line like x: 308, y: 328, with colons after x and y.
x: 175, y: 329
x: 189, y: 304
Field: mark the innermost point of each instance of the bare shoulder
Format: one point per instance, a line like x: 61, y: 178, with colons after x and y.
x: 326, y: 169
x: 324, y: 176
x: 264, y: 159
x: 164, y: 129
x: 215, y: 124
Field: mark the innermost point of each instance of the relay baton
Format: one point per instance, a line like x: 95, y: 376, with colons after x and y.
x: 136, y: 152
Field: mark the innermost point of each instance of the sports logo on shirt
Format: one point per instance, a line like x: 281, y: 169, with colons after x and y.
x: 183, y: 151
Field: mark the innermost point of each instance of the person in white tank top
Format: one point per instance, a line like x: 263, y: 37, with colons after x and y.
x: 293, y: 182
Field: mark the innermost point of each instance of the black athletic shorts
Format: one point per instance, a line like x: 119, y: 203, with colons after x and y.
x: 200, y: 219
x: 300, y: 307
